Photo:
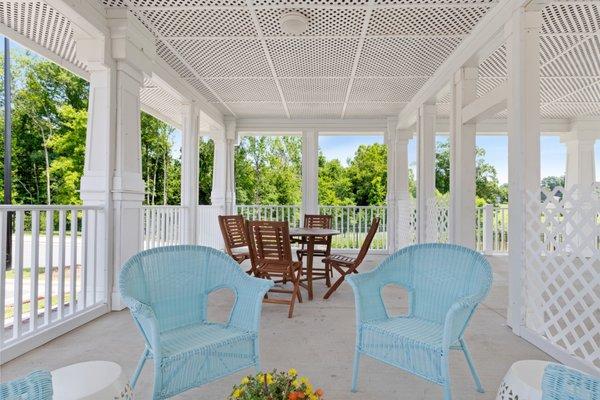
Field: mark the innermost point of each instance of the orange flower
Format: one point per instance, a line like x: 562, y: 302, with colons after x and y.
x: 301, y: 395
x: 293, y: 396
x: 319, y: 392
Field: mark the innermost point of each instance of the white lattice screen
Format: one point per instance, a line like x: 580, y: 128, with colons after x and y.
x: 561, y: 293
x: 437, y: 219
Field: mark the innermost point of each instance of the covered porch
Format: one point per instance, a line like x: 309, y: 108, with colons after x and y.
x: 517, y: 68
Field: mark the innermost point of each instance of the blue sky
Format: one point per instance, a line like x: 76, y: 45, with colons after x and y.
x: 553, y: 153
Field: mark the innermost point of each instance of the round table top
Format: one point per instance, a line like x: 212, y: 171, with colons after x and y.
x: 313, y: 232
x: 88, y: 380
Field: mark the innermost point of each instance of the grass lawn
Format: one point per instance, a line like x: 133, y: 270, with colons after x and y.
x: 9, y: 311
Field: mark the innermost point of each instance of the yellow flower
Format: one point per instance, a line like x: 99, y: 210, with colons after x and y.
x: 269, y: 379
x: 237, y: 393
x: 245, y: 381
x: 313, y: 397
x: 304, y: 380
x: 292, y: 372
x: 261, y: 378
x: 309, y: 389
x: 295, y: 383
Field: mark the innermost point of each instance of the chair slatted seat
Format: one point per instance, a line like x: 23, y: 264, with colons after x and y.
x: 271, y: 250
x: 348, y: 265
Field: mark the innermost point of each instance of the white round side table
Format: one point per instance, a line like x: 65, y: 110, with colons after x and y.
x: 92, y: 380
x: 523, y: 381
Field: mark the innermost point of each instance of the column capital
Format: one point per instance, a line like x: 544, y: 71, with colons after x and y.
x: 130, y: 41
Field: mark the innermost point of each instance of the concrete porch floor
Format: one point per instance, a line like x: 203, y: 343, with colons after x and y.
x: 318, y: 342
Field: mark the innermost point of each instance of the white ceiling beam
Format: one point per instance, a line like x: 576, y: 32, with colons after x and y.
x: 498, y: 127
x: 187, y: 65
x: 357, y: 55
x: 487, y: 105
x: 346, y: 6
x: 487, y: 30
x: 276, y: 37
x: 267, y: 53
x: 168, y: 79
x: 322, y: 125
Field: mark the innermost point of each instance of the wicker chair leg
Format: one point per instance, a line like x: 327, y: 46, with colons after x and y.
x: 465, y: 350
x: 446, y: 374
x: 355, y: 370
x: 139, y: 367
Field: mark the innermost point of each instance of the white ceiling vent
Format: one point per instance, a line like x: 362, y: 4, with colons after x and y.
x: 293, y: 23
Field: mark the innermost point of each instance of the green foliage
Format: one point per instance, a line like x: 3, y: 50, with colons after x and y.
x: 206, y: 149
x: 487, y: 188
x: 49, y: 122
x: 268, y: 170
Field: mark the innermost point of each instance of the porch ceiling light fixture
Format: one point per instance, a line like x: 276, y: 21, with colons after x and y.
x: 293, y: 23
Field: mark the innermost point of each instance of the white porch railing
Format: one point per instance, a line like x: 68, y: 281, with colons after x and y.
x: 56, y: 279
x: 354, y: 222
x: 290, y: 213
x: 162, y: 225
x: 491, y: 224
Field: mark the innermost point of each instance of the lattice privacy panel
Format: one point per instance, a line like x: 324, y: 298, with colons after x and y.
x: 562, y: 276
x: 437, y: 219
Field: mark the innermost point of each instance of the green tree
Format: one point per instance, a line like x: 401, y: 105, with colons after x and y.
x: 487, y: 185
x: 206, y: 150
x: 368, y: 174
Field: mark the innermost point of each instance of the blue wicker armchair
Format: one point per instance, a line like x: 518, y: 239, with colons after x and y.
x: 445, y: 284
x: 37, y: 385
x: 562, y: 383
x: 166, y: 290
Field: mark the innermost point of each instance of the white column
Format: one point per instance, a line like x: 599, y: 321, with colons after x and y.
x: 404, y: 203
x: 393, y: 173
x: 523, y: 62
x: 96, y: 182
x: 310, y: 171
x: 189, y: 172
x: 581, y: 165
x: 425, y: 166
x: 397, y: 186
x: 223, y: 185
x: 112, y: 172
x: 231, y: 136
x: 462, y: 160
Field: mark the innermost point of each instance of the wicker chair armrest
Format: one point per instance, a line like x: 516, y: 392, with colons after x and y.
x: 458, y: 317
x: 246, y: 311
x: 367, y: 294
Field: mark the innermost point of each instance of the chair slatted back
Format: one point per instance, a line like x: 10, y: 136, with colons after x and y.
x: 270, y: 242
x: 233, y: 230
x: 318, y: 221
x: 364, y: 248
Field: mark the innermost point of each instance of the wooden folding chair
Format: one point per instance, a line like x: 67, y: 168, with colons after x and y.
x: 233, y: 229
x: 323, y: 222
x: 272, y: 253
x: 349, y: 265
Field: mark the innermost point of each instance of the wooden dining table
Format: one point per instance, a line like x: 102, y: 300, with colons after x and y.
x: 310, y: 234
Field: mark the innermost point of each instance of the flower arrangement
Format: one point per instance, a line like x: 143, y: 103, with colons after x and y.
x: 275, y: 386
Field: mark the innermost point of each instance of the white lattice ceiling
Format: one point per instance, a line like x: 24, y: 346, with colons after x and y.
x: 358, y: 58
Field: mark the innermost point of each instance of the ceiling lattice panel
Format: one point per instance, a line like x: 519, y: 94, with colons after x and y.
x: 39, y: 22
x: 161, y: 103
x: 358, y: 58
